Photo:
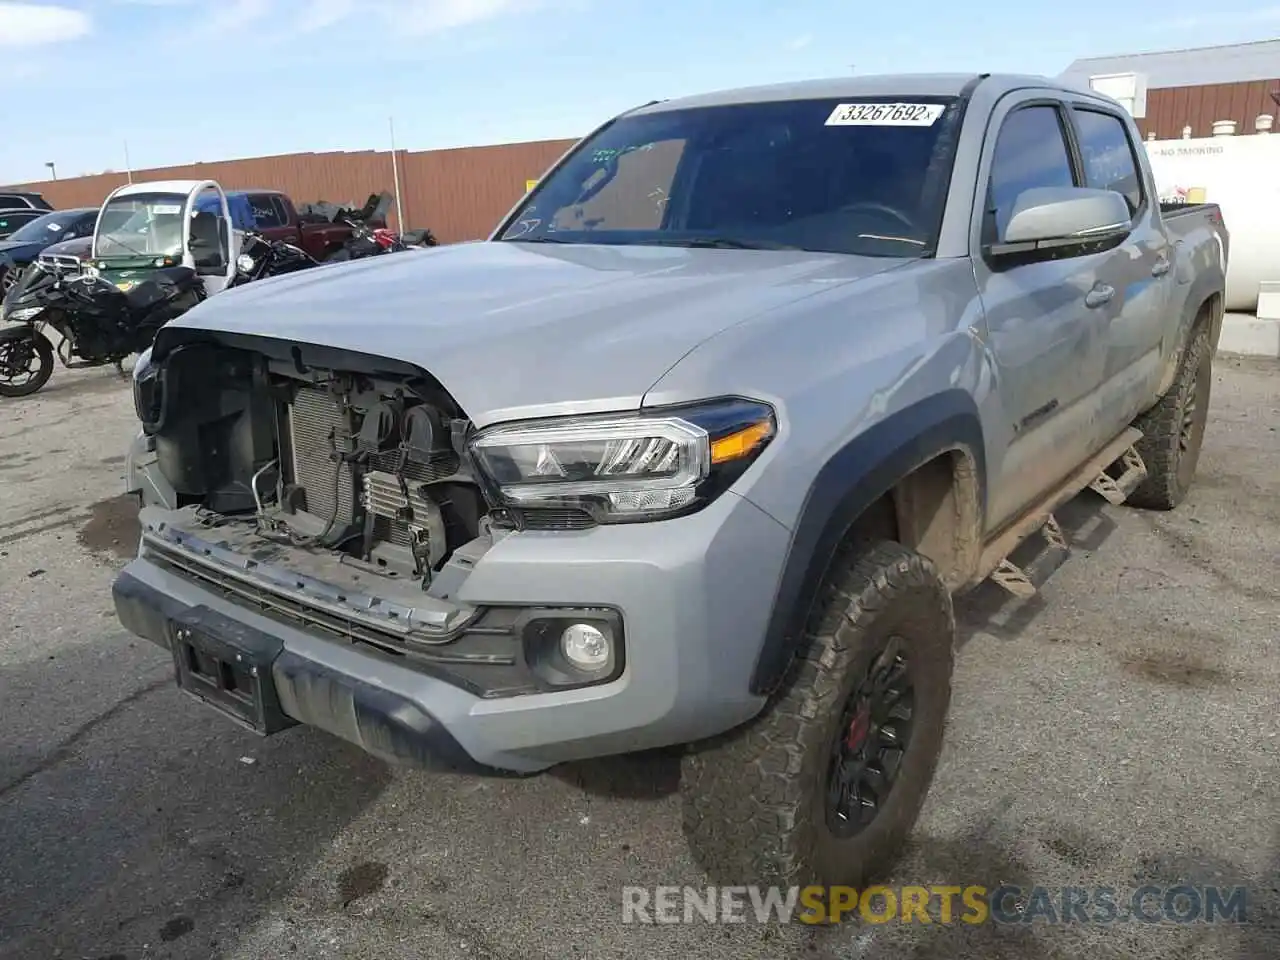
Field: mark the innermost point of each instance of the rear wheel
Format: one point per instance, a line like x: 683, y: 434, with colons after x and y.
x: 26, y: 364
x: 1173, y: 430
x: 826, y: 784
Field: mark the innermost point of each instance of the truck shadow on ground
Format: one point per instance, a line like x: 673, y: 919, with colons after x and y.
x: 986, y: 855
x: 990, y: 609
x: 145, y: 825
x: 986, y: 609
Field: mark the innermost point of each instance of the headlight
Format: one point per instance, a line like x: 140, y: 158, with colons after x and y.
x: 619, y: 469
x: 147, y: 394
x: 24, y: 313
x: 244, y: 263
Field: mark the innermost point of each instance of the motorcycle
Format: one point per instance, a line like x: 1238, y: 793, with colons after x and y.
x: 261, y: 257
x: 369, y: 241
x: 100, y: 322
x: 366, y: 240
x: 419, y: 238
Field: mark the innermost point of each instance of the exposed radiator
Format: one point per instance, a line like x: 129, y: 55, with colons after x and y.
x: 313, y: 416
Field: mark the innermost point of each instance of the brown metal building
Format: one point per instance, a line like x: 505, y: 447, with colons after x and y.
x: 459, y: 194
x: 1194, y: 87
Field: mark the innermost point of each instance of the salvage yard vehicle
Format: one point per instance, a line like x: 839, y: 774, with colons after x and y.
x: 157, y: 250
x: 11, y: 221
x: 694, y: 451
x: 261, y: 257
x: 322, y: 230
x: 23, y: 200
x: 164, y: 224
x: 99, y: 322
x: 23, y: 246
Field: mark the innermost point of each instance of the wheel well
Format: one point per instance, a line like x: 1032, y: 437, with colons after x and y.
x: 1210, y: 312
x: 934, y: 511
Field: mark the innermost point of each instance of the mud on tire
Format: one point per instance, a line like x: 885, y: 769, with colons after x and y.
x: 1173, y: 430
x: 758, y: 802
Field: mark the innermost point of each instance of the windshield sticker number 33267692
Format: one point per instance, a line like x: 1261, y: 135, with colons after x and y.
x: 885, y: 115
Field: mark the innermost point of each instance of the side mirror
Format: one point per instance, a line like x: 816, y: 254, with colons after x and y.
x: 1049, y: 217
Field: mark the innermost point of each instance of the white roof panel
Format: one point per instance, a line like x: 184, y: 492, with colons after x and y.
x: 1193, y: 67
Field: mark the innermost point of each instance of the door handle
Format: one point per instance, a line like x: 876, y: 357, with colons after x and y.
x: 1099, y: 295
x: 1161, y: 267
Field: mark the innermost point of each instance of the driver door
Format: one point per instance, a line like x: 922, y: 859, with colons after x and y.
x: 1046, y: 323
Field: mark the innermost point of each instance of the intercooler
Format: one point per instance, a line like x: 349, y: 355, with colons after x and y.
x: 316, y: 426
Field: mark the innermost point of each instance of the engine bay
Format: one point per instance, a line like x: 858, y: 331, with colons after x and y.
x: 365, y: 460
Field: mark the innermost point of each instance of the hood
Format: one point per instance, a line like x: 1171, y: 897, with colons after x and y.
x: 78, y: 247
x: 517, y: 330
x: 20, y: 253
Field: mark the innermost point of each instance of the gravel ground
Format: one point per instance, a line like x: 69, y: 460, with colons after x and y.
x: 1118, y: 729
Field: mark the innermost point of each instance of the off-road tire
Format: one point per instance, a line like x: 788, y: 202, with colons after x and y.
x: 754, y: 800
x: 44, y: 350
x: 1173, y: 430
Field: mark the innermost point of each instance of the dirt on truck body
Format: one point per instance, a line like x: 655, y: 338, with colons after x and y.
x: 694, y: 450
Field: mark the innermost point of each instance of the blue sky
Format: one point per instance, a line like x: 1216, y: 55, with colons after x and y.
x: 187, y: 80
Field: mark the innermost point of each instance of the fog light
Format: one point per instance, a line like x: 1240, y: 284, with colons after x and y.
x: 585, y: 646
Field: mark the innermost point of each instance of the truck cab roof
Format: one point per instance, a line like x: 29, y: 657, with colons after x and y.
x: 872, y: 85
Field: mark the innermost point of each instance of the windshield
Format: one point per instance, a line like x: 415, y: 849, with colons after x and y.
x: 49, y: 227
x: 142, y: 224
x: 825, y: 175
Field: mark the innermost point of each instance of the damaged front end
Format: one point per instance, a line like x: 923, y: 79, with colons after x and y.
x: 332, y: 491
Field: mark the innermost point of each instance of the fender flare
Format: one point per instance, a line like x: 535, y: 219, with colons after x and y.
x: 856, y: 476
x: 1202, y: 293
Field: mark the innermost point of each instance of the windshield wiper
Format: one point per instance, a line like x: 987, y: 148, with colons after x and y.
x: 133, y: 250
x: 721, y: 243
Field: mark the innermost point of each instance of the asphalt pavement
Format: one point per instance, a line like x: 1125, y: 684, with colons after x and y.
x: 1117, y: 730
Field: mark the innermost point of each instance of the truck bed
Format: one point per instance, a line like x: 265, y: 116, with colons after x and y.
x: 1169, y: 210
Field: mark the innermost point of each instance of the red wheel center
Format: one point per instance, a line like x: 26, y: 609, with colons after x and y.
x: 859, y: 727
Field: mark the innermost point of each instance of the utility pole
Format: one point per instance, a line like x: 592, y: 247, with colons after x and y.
x: 53, y: 169
x: 395, y: 174
x: 128, y: 167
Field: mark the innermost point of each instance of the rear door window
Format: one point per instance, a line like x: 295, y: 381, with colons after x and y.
x: 1108, y: 155
x: 266, y: 210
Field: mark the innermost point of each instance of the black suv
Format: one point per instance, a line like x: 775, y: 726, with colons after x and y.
x: 23, y: 200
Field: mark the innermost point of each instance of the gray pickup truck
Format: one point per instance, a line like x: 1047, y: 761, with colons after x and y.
x: 694, y: 451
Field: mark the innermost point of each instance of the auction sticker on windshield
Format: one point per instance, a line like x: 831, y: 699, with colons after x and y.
x: 885, y: 114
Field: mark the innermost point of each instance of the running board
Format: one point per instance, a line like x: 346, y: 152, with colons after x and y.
x: 1023, y: 581
x: 994, y: 561
x: 1116, y: 490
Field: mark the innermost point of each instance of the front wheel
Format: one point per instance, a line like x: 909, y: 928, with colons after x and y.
x: 826, y: 784
x: 26, y: 364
